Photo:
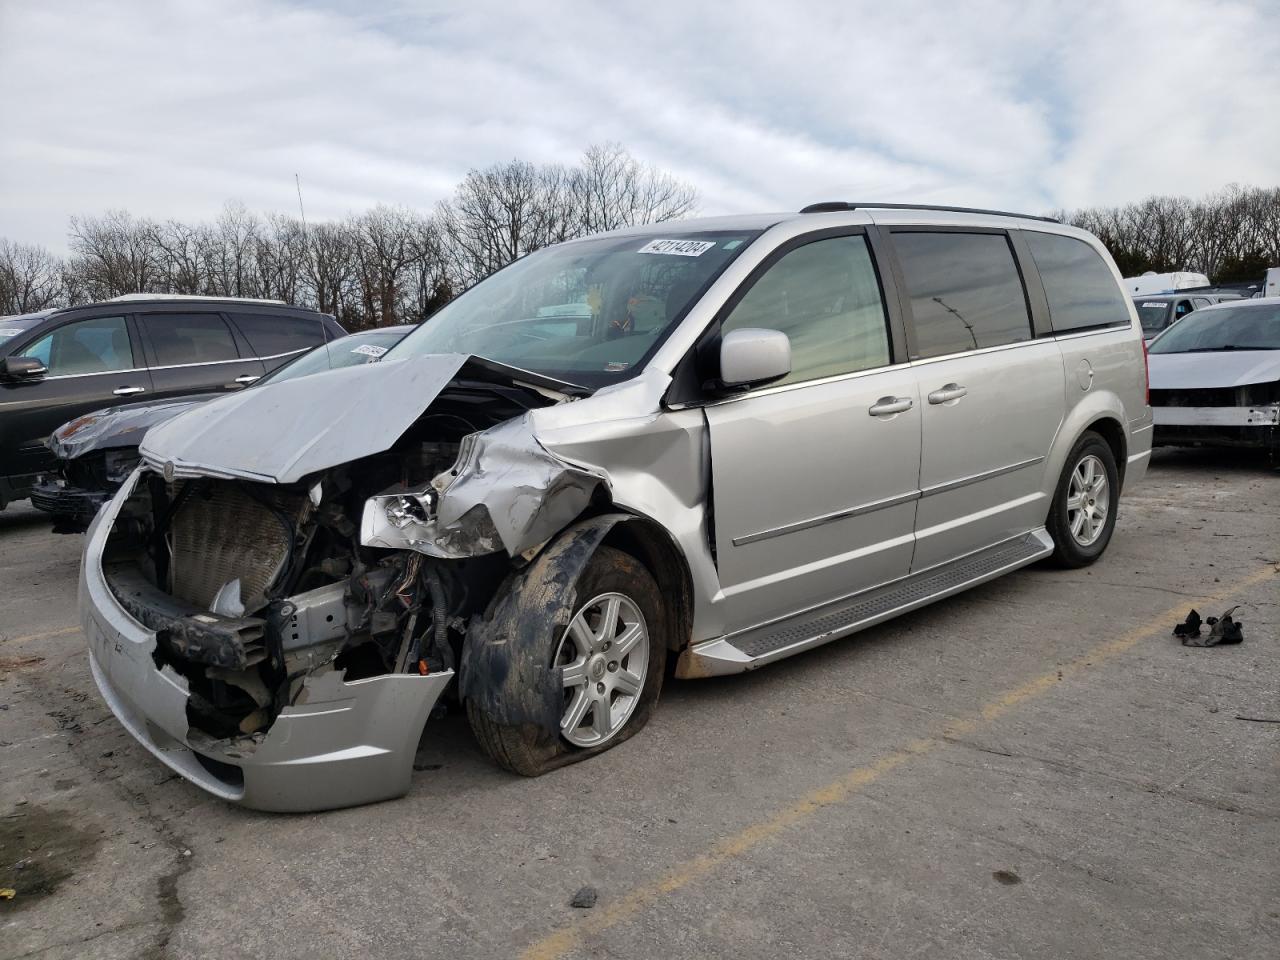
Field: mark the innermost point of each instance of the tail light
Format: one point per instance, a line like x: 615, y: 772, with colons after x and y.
x: 1146, y: 370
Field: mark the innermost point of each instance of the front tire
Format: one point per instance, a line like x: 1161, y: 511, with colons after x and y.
x: 1083, y: 514
x: 609, y: 662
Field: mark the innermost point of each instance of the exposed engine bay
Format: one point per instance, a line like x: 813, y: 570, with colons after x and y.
x: 362, y: 569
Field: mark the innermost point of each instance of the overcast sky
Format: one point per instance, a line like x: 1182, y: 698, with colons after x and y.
x: 169, y: 109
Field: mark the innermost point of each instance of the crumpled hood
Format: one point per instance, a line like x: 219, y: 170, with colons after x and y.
x: 284, y: 431
x: 1225, y: 368
x: 116, y: 427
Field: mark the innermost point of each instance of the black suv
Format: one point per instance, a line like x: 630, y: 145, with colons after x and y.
x: 60, y: 364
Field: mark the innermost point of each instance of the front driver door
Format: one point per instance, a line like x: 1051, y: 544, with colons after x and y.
x: 815, y: 476
x: 91, y: 364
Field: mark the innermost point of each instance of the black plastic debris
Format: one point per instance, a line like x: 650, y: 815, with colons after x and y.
x: 1189, y: 627
x: 585, y: 898
x: 1223, y: 630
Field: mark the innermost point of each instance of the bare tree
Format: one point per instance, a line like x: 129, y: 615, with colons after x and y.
x: 113, y: 254
x: 612, y: 189
x: 30, y: 278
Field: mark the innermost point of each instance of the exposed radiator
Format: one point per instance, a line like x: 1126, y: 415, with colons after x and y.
x: 220, y: 533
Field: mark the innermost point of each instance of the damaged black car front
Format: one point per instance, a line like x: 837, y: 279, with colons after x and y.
x: 296, y: 576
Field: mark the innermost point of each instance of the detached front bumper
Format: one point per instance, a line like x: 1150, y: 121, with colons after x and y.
x: 342, y: 744
x: 72, y: 509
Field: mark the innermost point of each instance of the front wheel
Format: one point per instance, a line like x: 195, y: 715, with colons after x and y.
x: 1083, y: 515
x: 608, y: 662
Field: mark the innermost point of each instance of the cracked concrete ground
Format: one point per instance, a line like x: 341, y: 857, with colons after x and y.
x: 1035, y: 768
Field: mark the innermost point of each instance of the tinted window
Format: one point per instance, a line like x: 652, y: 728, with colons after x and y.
x: 965, y: 291
x: 826, y: 298
x: 270, y: 336
x: 1081, y: 289
x: 87, y: 346
x: 189, y: 338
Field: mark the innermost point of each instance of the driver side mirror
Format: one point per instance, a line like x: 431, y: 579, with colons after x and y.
x: 752, y: 356
x: 23, y: 369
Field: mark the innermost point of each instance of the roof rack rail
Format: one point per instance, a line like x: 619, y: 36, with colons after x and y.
x: 190, y: 296
x: 830, y: 206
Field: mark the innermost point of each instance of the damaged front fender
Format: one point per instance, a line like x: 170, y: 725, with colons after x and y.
x: 505, y: 492
x: 501, y: 668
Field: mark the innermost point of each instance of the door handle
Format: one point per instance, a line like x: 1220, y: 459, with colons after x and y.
x: 888, y: 406
x: 247, y: 378
x: 952, y: 391
x: 128, y: 391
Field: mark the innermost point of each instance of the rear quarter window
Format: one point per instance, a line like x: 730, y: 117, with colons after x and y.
x: 270, y: 336
x: 1080, y: 288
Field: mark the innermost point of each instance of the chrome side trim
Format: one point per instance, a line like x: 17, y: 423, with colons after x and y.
x: 978, y: 477
x: 827, y: 518
x: 96, y: 373
x: 237, y: 360
x: 177, y: 366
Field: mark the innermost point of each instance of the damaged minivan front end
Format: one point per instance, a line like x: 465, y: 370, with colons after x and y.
x: 276, y: 620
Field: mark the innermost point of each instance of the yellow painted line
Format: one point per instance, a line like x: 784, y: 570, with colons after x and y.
x: 47, y: 635
x: 562, y: 941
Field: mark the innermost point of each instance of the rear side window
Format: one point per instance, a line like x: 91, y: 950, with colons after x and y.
x: 271, y: 336
x: 99, y: 345
x: 1081, y: 290
x: 965, y: 291
x: 189, y: 338
x: 825, y: 297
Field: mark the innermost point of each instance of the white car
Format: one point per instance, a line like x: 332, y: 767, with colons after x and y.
x: 1215, y: 377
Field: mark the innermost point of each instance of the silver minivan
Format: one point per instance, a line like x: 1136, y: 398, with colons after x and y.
x: 703, y: 445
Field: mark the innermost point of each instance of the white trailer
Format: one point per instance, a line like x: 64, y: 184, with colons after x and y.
x: 1150, y: 283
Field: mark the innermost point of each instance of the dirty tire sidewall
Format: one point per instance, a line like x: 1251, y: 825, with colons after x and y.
x: 1067, y: 552
x: 530, y: 750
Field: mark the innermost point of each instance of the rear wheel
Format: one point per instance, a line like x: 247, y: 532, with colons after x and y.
x: 1083, y: 515
x: 608, y: 662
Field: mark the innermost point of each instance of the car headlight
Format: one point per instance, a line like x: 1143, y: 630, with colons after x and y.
x: 409, y: 508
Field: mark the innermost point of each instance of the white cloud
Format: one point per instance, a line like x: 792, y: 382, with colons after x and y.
x: 169, y: 109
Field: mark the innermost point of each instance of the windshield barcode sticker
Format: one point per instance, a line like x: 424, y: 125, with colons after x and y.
x: 678, y: 248
x: 369, y: 350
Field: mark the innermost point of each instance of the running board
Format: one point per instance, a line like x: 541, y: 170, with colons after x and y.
x: 755, y: 648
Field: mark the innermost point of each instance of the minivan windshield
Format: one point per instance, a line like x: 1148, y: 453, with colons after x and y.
x: 590, y: 312
x: 11, y: 327
x: 1253, y: 327
x: 1153, y: 315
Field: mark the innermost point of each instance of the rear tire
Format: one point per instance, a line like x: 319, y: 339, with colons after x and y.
x: 607, y: 696
x: 1083, y: 514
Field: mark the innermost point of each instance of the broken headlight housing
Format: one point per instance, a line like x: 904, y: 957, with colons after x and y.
x: 402, y: 510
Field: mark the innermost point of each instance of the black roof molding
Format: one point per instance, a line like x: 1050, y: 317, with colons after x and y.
x: 831, y: 206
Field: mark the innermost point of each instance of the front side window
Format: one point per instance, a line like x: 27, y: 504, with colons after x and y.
x: 825, y: 297
x: 99, y: 345
x: 1081, y: 290
x: 180, y: 338
x: 1223, y: 329
x: 965, y: 291
x: 589, y: 312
